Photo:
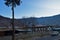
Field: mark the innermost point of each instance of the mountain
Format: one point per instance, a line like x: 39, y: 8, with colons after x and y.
x: 4, y: 21
x: 52, y: 20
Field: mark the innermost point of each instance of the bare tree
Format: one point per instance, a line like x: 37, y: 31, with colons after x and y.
x: 29, y: 23
x: 25, y: 23
x: 33, y: 22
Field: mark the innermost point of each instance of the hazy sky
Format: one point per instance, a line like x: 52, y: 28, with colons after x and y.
x: 28, y: 8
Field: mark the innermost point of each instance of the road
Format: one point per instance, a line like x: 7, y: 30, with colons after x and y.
x: 35, y: 38
x: 48, y: 38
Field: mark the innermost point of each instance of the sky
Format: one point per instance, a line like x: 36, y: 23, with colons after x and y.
x: 32, y: 8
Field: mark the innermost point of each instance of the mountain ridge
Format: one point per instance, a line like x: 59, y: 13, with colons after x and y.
x: 52, y: 20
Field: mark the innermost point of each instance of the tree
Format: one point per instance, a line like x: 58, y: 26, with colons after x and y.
x: 29, y: 22
x: 12, y: 3
x: 33, y: 22
x: 24, y: 23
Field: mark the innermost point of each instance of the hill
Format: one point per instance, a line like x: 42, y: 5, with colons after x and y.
x: 52, y: 20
